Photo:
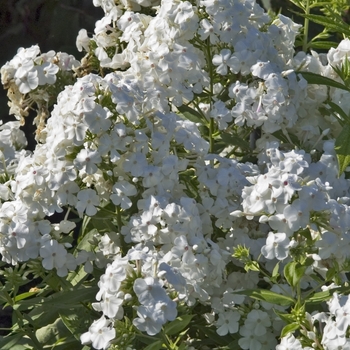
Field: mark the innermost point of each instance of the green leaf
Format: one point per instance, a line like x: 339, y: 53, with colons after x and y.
x: 339, y: 110
x: 155, y: 346
x: 313, y: 78
x: 15, y: 342
x: 182, y: 346
x: 342, y: 148
x: 320, y: 297
x: 293, y: 272
x: 61, y: 300
x: 329, y: 23
x: 275, y: 270
x: 268, y: 296
x: 323, y: 45
x: 178, y: 325
x: 287, y: 318
x: 281, y: 136
x: 24, y: 296
x: 191, y: 114
x: 102, y: 222
x: 210, y: 334
x: 234, y: 140
x: 289, y: 328
x: 77, y: 321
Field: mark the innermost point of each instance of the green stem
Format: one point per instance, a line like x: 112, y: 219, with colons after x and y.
x: 119, y: 218
x: 211, y: 139
x: 211, y: 74
x: 166, y: 341
x: 306, y: 26
x: 123, y: 246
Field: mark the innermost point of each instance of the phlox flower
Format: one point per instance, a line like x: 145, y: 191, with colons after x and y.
x: 147, y: 320
x: 224, y: 60
x: 74, y: 129
x: 228, y: 322
x: 257, y: 321
x: 87, y: 159
x: 111, y: 306
x: 173, y: 276
x: 340, y: 307
x: 100, y: 333
x: 135, y: 164
x: 20, y: 232
x: 210, y: 30
x: 289, y: 342
x: 152, y: 176
x: 54, y: 254
x: 97, y: 119
x: 297, y: 214
x: 110, y: 282
x: 221, y: 114
x: 277, y: 246
x: 28, y: 82
x: 183, y: 12
x: 149, y: 290
x: 47, y: 73
x: 249, y: 341
x: 82, y: 41
x: 122, y: 191
x: 87, y: 201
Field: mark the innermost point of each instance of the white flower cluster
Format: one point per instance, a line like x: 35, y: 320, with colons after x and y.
x: 27, y: 77
x: 138, y: 144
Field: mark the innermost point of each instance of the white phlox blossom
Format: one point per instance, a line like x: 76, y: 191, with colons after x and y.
x: 100, y: 333
x: 277, y: 246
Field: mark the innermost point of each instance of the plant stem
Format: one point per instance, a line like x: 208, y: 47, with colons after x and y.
x: 306, y: 26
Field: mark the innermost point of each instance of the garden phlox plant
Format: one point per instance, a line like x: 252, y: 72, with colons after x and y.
x: 195, y: 168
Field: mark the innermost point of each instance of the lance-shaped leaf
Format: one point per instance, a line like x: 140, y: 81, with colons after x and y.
x: 342, y: 148
x: 313, y: 78
x: 329, y: 23
x: 268, y: 296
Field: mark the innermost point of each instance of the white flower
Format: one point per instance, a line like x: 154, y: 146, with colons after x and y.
x: 97, y: 119
x: 54, y: 255
x: 297, y: 214
x: 221, y: 114
x: 47, y: 73
x: 147, y: 320
x: 223, y: 60
x: 87, y: 159
x: 228, y: 322
x: 257, y: 321
x: 210, y: 30
x: 88, y: 200
x: 277, y: 246
x: 111, y: 306
x: 289, y: 342
x: 100, y: 333
x: 82, y: 41
x: 249, y: 341
x: 122, y: 191
x: 28, y: 82
x: 149, y: 291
